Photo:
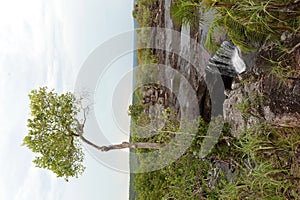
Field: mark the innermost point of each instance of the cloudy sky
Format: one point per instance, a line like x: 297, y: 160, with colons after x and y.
x: 45, y: 43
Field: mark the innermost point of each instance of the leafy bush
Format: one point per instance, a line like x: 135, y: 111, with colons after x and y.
x: 264, y: 166
x: 135, y: 110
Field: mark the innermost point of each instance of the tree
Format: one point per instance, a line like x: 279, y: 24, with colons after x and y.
x: 55, y: 133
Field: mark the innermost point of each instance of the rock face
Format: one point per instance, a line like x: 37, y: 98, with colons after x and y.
x: 261, y: 95
x: 155, y: 97
x: 245, y: 107
x: 227, y: 61
x: 155, y: 94
x: 255, y: 96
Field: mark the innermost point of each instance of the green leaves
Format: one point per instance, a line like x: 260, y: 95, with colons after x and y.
x: 135, y: 111
x: 185, y: 13
x: 51, y: 130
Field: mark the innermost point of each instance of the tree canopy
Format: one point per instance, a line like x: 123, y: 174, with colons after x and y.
x: 55, y: 132
x: 52, y: 127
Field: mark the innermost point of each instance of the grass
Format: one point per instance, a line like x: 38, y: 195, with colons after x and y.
x: 283, y: 73
x: 250, y: 104
x: 277, y: 69
x: 280, y: 65
x: 264, y: 161
x: 248, y: 23
x: 270, y: 150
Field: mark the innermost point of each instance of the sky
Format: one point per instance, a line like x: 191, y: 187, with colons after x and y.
x: 45, y: 43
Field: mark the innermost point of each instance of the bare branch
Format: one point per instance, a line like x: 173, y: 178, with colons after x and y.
x: 124, y: 145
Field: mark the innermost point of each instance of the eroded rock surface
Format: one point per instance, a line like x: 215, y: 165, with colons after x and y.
x: 264, y: 95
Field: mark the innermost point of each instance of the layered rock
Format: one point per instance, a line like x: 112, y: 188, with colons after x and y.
x: 262, y: 96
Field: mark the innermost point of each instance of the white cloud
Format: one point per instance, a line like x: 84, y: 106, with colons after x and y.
x: 41, y: 45
x: 31, y: 55
x: 38, y: 184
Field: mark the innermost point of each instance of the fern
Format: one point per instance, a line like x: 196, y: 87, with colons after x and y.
x: 242, y: 35
x: 210, y: 42
x: 185, y: 13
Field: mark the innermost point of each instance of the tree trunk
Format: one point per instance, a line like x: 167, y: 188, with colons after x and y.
x: 135, y: 145
x: 124, y: 145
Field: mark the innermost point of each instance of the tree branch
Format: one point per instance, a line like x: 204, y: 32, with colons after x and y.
x: 101, y: 148
x: 124, y: 145
x: 75, y: 134
x: 142, y: 145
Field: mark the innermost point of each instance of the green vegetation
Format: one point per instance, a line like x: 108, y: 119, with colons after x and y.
x: 55, y: 130
x: 182, y: 178
x: 52, y: 132
x: 270, y: 158
x: 135, y: 111
x: 263, y: 162
x: 248, y: 23
x: 147, y: 70
x: 185, y: 13
x: 142, y: 12
x: 277, y: 69
x: 248, y: 106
